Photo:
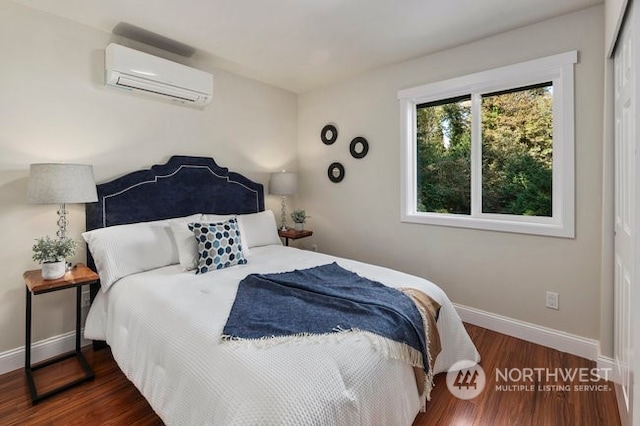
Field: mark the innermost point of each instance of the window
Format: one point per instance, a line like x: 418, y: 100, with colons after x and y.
x: 492, y: 150
x: 443, y: 156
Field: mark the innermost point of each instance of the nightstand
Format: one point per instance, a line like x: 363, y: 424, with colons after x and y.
x: 293, y: 234
x: 78, y: 276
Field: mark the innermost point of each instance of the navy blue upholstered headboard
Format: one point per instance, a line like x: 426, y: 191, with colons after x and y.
x: 183, y: 186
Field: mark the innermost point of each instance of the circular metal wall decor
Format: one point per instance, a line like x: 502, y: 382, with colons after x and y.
x: 336, y: 172
x: 359, y: 147
x: 329, y: 134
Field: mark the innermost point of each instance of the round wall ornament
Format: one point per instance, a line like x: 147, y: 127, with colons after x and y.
x: 336, y: 172
x: 359, y: 147
x: 329, y: 134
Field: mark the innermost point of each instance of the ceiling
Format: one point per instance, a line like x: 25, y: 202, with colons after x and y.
x: 300, y: 45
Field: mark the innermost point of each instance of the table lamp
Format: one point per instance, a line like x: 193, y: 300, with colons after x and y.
x: 283, y: 183
x: 61, y: 183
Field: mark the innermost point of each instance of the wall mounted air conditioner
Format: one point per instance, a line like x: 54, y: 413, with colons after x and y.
x: 130, y: 69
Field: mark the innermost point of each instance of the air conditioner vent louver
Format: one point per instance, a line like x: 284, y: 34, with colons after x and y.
x: 133, y: 70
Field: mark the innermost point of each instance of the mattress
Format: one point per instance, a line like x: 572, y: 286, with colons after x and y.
x: 164, y: 329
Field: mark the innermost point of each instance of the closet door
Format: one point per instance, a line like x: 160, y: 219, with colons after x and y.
x: 626, y: 230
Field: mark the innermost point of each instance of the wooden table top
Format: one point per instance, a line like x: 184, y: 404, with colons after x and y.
x: 78, y: 274
x: 293, y: 234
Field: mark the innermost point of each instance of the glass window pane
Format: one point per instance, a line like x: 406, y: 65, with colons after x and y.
x: 444, y: 156
x: 517, y: 151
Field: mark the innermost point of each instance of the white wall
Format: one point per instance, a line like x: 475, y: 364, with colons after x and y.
x: 501, y: 273
x: 54, y: 107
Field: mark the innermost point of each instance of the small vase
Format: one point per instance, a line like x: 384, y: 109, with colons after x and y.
x: 298, y: 226
x: 54, y: 270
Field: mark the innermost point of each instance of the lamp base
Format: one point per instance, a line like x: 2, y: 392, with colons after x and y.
x: 62, y: 221
x: 283, y: 213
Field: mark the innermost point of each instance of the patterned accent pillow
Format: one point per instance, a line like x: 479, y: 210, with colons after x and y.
x: 219, y: 245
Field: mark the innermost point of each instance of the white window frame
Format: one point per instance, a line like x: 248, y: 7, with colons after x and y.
x: 559, y: 69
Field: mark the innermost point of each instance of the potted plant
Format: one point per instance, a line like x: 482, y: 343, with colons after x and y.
x: 299, y: 217
x: 52, y: 254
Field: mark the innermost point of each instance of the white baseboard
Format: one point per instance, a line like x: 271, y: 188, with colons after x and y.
x: 564, y: 342
x: 608, y: 363
x: 44, y: 349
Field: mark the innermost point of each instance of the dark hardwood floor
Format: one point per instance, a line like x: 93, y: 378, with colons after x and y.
x: 112, y: 400
x: 563, y: 406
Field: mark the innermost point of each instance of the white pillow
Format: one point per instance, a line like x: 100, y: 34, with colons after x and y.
x: 186, y: 241
x: 123, y: 250
x: 258, y: 229
x: 215, y: 218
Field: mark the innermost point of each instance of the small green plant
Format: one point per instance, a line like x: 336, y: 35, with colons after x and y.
x: 47, y: 250
x: 299, y: 216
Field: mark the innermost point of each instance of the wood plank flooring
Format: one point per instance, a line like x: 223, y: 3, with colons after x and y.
x: 535, y: 407
x: 112, y: 400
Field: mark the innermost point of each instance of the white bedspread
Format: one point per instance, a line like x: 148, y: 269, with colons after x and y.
x: 164, y: 330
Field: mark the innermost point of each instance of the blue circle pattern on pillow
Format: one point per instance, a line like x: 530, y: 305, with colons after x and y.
x: 218, y: 245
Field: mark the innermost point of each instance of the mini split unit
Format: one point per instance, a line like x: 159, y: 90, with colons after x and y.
x: 130, y: 69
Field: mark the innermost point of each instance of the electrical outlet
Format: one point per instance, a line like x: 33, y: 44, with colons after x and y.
x: 552, y: 300
x: 86, y: 299
x: 314, y: 247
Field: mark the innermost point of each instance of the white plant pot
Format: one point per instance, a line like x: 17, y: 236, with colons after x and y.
x: 54, y: 270
x: 298, y: 226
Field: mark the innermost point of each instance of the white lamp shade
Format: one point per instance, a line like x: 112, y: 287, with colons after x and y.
x: 283, y: 183
x: 61, y: 184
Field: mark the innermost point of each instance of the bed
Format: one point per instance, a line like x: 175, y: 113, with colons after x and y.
x: 164, y: 323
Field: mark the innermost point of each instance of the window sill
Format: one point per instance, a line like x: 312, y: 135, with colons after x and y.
x: 515, y: 224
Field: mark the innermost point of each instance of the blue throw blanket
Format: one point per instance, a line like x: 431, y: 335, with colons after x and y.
x: 321, y: 300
